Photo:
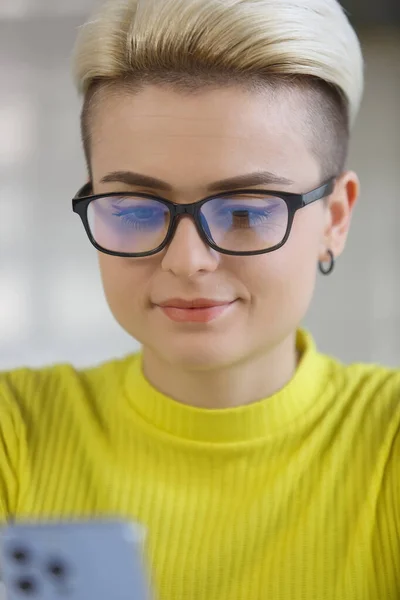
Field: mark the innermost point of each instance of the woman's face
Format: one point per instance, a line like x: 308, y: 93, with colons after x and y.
x: 191, y: 142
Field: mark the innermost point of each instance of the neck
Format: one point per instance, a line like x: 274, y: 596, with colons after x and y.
x: 252, y: 379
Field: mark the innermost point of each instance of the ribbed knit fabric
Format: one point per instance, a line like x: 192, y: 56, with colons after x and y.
x: 295, y: 497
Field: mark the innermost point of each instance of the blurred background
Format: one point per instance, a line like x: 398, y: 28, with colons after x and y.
x: 52, y: 307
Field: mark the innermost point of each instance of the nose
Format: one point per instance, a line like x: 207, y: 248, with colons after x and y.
x: 187, y: 254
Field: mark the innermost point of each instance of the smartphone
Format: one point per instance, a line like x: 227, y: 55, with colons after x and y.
x: 95, y: 560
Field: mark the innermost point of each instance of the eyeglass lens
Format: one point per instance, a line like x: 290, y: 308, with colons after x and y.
x: 237, y: 223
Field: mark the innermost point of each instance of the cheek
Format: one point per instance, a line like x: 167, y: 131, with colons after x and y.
x: 124, y: 286
x: 283, y: 281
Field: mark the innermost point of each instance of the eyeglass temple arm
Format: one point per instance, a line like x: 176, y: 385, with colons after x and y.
x: 318, y: 193
x: 86, y: 190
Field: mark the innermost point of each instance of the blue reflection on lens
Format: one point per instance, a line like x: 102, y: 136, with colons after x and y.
x: 243, y: 216
x: 142, y: 218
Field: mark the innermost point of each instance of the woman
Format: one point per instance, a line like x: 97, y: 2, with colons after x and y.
x: 216, y: 134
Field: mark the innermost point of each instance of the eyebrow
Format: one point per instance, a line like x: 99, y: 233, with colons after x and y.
x: 240, y: 181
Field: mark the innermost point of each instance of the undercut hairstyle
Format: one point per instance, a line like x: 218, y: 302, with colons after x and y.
x: 302, y: 47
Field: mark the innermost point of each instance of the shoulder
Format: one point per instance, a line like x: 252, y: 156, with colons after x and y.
x: 365, y: 400
x: 26, y: 391
x: 373, y: 398
x: 353, y: 388
x: 369, y: 384
x: 363, y: 411
x: 41, y: 409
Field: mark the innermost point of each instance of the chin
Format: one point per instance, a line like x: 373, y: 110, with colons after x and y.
x: 193, y: 346
x: 200, y: 355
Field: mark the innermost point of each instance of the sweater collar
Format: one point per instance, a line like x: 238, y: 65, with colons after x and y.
x: 247, y: 423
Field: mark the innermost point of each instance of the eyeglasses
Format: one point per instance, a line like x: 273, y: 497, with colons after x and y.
x: 240, y: 223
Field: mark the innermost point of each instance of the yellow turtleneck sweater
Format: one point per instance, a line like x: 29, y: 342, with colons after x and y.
x: 295, y: 497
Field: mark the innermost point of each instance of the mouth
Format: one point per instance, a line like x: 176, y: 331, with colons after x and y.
x: 195, y: 311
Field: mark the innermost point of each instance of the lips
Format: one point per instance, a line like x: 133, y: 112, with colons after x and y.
x: 192, y: 304
x: 200, y: 310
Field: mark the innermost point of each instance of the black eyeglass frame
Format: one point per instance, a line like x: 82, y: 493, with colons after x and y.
x: 294, y: 202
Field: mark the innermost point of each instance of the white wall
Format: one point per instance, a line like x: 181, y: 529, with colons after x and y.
x: 52, y: 307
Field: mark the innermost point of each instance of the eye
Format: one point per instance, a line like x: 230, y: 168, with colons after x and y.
x: 247, y: 214
x: 139, y: 213
x: 140, y: 216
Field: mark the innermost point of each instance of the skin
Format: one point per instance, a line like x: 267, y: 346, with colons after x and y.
x: 191, y: 141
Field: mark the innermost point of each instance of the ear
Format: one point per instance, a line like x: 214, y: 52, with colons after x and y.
x: 338, y: 214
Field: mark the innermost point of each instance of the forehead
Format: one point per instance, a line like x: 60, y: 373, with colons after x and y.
x: 218, y: 132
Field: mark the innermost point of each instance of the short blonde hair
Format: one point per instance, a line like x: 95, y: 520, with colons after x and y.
x: 191, y: 44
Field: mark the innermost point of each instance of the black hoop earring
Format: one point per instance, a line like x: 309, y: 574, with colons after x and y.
x: 326, y: 270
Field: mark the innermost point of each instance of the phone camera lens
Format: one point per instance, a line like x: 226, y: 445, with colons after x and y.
x: 57, y: 569
x: 20, y: 555
x: 27, y: 586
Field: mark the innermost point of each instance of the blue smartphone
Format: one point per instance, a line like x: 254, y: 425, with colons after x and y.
x: 95, y: 560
